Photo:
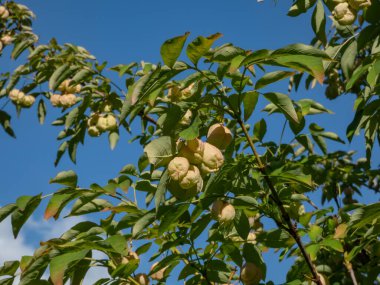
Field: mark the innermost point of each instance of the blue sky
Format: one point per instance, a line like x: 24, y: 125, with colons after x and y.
x: 121, y: 32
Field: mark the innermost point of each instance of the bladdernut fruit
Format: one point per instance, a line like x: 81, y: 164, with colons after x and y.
x: 6, y: 40
x: 344, y: 14
x: 16, y: 96
x: 174, y: 93
x: 68, y: 100
x: 250, y: 274
x: 130, y: 256
x: 178, y: 168
x: 65, y: 87
x: 192, y: 157
x: 93, y: 131
x: 55, y: 100
x: 106, y: 123
x: 188, y: 91
x: 186, y: 119
x: 223, y: 211
x: 142, y: 279
x: 196, y: 145
x: 212, y: 158
x: 191, y: 178
x: 27, y: 101
x: 219, y: 136
x: 4, y: 13
x: 158, y: 275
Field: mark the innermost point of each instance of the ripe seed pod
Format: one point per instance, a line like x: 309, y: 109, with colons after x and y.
x: 4, y: 13
x: 191, y: 178
x: 186, y: 119
x: 219, y: 136
x: 158, y: 275
x: 174, y: 93
x: 344, y: 14
x: 111, y: 122
x: 192, y: 157
x: 16, y: 96
x: 142, y: 279
x: 68, y: 100
x: 55, y: 100
x: 188, y: 91
x: 251, y: 238
x: 196, y: 145
x: 223, y: 211
x: 1, y: 46
x: 93, y: 131
x: 227, y: 213
x: 6, y: 40
x: 65, y: 87
x: 212, y: 158
x: 130, y: 256
x: 27, y: 101
x: 178, y: 168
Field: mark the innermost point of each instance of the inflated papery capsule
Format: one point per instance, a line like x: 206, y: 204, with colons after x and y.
x: 212, y: 158
x: 219, y: 136
x: 191, y: 178
x: 178, y: 168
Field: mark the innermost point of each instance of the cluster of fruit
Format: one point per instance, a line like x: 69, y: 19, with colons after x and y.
x: 5, y: 39
x: 142, y: 278
x: 345, y: 12
x: 197, y: 158
x: 68, y: 97
x: 99, y: 123
x: 19, y: 98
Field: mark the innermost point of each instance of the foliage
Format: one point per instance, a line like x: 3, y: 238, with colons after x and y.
x: 177, y: 102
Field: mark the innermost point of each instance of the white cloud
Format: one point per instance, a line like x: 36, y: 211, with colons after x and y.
x: 41, y: 230
x: 12, y: 249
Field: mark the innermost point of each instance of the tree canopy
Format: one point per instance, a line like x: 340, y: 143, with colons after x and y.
x: 217, y: 193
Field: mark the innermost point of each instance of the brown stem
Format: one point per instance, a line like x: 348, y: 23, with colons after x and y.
x: 352, y: 272
x: 291, y: 227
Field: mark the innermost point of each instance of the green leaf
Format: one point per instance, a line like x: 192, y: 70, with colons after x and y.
x: 68, y: 178
x: 272, y: 77
x: 300, y: 6
x: 260, y: 129
x: 118, y: 243
x: 20, y: 47
x: 5, y: 121
x: 171, y: 218
x: 83, y: 206
x: 192, y: 131
x: 19, y: 217
x: 6, y: 211
x: 357, y: 73
x: 9, y: 268
x: 315, y: 233
x: 365, y: 215
x: 59, y: 75
x: 41, y: 111
x: 159, y: 196
x: 242, y: 224
x: 171, y: 49
x: 348, y: 59
x: 113, y: 138
x: 200, y: 46
x: 300, y: 50
x: 143, y: 223
x: 59, y: 264
x: 256, y: 57
x: 333, y: 244
x: 284, y: 104
x: 56, y: 204
x: 318, y: 22
x: 249, y: 102
x: 160, y: 149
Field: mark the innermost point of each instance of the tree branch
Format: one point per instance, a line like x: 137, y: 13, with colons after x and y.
x: 291, y: 227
